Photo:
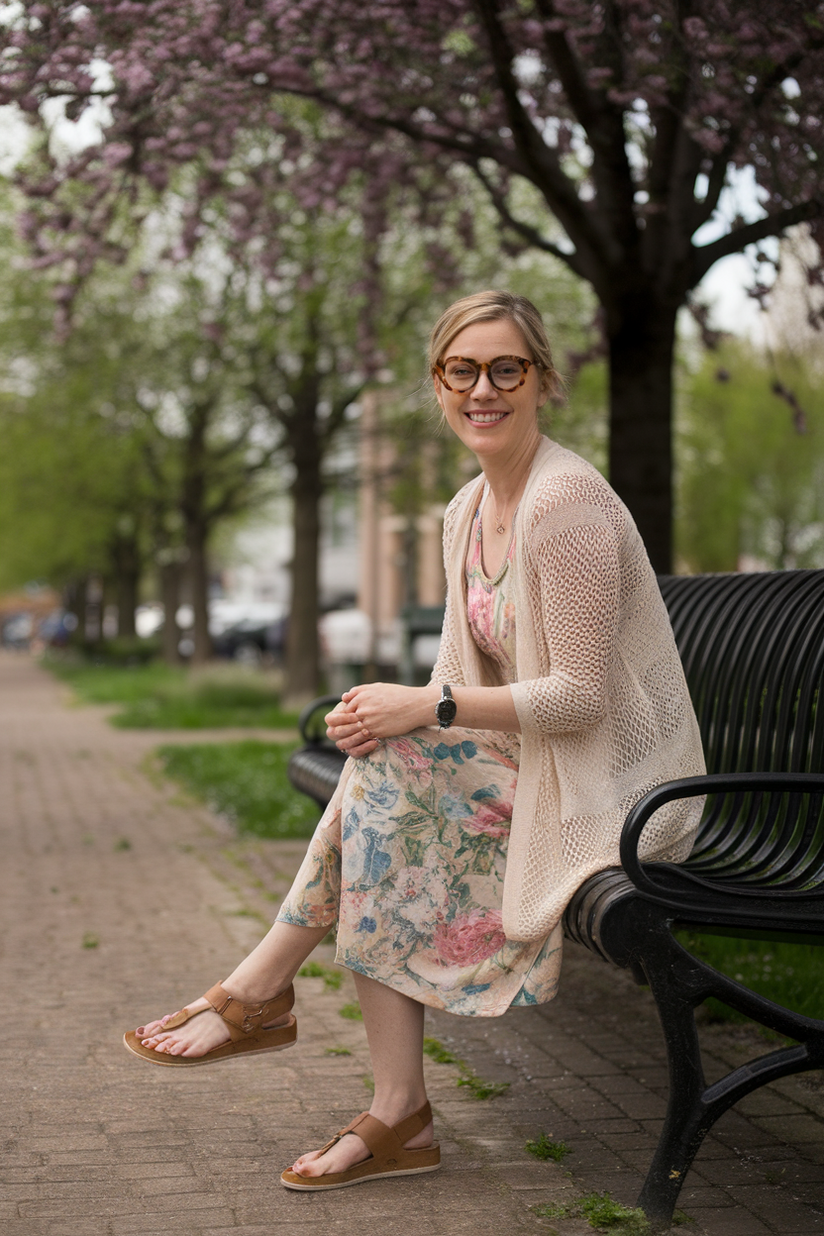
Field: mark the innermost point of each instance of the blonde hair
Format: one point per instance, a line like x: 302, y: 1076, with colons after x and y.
x: 492, y: 306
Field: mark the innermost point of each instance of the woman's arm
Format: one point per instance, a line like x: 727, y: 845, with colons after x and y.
x: 378, y: 710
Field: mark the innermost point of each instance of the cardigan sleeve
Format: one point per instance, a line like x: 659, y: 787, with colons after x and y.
x: 447, y: 667
x: 574, y: 591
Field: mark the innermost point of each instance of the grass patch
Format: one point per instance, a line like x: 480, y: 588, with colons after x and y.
x: 437, y: 1052
x: 543, y: 1148
x: 789, y: 973
x: 332, y: 979
x: 337, y: 1051
x: 245, y: 782
x: 478, y: 1088
x: 601, y: 1212
x: 160, y: 696
x: 351, y: 1011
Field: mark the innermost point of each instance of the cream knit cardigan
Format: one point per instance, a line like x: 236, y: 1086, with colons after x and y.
x: 600, y: 693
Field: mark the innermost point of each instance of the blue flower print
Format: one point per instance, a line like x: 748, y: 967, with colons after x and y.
x: 367, y: 924
x: 441, y: 752
x: 384, y: 795
x: 350, y: 825
x: 452, y: 807
x: 376, y: 862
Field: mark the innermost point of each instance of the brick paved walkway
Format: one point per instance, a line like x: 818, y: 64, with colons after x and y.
x: 122, y: 898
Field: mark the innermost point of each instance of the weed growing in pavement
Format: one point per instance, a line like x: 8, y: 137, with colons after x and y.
x: 369, y: 1083
x: 352, y: 1012
x: 601, y: 1212
x: 437, y: 1052
x: 337, y: 1051
x: 90, y: 940
x: 123, y: 843
x: 332, y: 979
x: 543, y: 1148
x: 478, y: 1088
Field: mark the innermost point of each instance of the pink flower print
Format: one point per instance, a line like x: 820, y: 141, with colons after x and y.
x: 411, y: 754
x: 492, y: 820
x: 469, y: 938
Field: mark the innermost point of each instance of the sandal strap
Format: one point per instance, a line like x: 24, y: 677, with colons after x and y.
x: 244, y: 1019
x: 383, y: 1141
x: 333, y: 1141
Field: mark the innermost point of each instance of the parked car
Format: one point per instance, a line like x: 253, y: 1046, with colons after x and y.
x: 17, y: 630
x: 252, y: 642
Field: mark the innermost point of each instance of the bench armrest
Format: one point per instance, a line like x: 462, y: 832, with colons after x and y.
x: 310, y: 722
x: 642, y: 875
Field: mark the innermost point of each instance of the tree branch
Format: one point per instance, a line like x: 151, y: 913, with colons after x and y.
x: 737, y: 240
x: 526, y: 230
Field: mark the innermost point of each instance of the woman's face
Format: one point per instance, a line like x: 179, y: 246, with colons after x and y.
x: 493, y: 423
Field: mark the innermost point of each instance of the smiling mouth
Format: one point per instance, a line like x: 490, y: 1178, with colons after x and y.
x: 486, y: 418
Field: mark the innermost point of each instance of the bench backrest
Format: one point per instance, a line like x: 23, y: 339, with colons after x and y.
x: 752, y: 646
x: 753, y: 652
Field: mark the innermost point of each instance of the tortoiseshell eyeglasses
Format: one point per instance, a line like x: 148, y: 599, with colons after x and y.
x: 460, y: 373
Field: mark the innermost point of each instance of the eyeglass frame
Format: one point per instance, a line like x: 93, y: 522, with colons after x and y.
x: 485, y: 367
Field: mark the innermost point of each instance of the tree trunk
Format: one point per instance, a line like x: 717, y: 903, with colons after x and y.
x: 302, y: 673
x: 641, y: 350
x: 199, y: 580
x: 170, y: 596
x: 127, y: 567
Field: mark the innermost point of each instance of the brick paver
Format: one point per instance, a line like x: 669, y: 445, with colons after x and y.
x: 123, y: 898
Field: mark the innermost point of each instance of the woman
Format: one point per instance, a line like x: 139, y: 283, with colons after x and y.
x: 448, y: 854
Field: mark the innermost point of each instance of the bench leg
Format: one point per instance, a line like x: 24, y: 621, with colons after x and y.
x: 679, y: 983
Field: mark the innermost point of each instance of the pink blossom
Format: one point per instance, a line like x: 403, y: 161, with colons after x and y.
x: 469, y: 938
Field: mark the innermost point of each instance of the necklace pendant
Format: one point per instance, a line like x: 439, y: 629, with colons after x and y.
x: 501, y: 529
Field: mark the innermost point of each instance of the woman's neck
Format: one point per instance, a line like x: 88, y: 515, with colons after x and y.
x: 507, y: 478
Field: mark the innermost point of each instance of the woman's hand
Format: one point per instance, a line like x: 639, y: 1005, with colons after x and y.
x: 378, y: 710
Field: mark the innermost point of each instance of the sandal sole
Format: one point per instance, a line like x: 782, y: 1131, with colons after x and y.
x: 364, y: 1179
x: 136, y: 1048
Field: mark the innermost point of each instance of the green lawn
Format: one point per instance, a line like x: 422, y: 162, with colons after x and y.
x: 245, y: 782
x: 790, y: 974
x: 159, y: 696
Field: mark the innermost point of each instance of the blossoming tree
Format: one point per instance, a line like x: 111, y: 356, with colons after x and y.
x: 628, y: 117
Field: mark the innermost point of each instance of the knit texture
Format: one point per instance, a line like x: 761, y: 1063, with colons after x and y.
x: 603, y: 705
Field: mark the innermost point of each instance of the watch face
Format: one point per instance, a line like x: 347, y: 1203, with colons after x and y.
x: 445, y: 711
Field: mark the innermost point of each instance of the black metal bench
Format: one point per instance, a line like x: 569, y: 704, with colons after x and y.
x: 753, y: 653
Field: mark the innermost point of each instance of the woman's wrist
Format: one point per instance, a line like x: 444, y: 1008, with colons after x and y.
x: 429, y: 699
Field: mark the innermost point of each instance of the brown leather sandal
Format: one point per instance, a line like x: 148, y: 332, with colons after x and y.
x: 389, y: 1156
x: 246, y: 1026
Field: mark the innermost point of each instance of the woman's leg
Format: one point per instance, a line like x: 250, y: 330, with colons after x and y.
x: 394, y: 1030
x: 267, y: 971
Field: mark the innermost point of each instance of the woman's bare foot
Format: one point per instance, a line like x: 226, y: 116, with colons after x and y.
x: 199, y: 1035
x: 351, y: 1150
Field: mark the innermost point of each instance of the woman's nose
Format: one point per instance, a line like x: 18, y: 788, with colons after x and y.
x: 483, y: 388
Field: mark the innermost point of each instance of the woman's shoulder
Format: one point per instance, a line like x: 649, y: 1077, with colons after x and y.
x: 570, y: 485
x: 465, y: 495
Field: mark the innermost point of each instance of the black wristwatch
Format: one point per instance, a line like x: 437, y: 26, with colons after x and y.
x: 446, y: 708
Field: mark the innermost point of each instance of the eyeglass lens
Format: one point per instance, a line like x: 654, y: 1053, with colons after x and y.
x: 505, y: 373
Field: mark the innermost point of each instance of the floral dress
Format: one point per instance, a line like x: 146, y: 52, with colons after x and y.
x: 411, y: 860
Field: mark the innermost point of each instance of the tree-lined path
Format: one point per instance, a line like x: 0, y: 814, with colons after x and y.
x: 121, y: 898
